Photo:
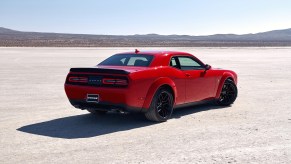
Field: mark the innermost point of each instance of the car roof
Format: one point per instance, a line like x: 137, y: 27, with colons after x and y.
x: 162, y: 58
x: 156, y: 53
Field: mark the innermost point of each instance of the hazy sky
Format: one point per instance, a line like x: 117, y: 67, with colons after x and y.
x: 191, y: 17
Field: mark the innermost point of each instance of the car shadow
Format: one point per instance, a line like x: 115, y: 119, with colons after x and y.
x: 87, y: 125
x: 180, y: 112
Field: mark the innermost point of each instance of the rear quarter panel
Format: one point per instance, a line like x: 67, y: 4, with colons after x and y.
x: 140, y: 82
x: 167, y: 76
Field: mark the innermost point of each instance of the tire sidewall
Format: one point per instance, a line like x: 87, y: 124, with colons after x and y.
x: 154, y: 103
x: 229, y: 81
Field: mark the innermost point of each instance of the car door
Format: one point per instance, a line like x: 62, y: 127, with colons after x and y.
x: 199, y: 83
x: 179, y: 79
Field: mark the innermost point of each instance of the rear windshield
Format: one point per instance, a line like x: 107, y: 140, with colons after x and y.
x: 128, y: 60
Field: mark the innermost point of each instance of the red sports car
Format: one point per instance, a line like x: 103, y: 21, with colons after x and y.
x: 151, y: 82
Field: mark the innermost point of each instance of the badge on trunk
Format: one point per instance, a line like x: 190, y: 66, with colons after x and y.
x: 95, y: 80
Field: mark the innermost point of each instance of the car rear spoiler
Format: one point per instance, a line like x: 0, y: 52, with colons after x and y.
x: 100, y: 70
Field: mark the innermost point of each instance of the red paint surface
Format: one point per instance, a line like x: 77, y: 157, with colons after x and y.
x: 187, y: 85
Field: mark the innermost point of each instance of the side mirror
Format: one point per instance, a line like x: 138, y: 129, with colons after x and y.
x: 207, y: 67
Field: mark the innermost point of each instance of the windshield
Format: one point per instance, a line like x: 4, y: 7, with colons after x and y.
x: 128, y: 60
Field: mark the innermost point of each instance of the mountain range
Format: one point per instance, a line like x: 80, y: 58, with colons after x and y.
x: 13, y: 38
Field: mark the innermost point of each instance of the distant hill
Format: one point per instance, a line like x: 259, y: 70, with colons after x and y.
x: 12, y: 38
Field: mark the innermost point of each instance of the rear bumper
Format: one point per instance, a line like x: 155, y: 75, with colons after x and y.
x: 109, y: 98
x: 103, y: 106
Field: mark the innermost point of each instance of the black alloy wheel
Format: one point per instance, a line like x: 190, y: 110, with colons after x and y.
x: 161, y: 107
x: 228, y: 93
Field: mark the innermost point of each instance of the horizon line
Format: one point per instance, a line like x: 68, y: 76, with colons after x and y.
x: 142, y: 34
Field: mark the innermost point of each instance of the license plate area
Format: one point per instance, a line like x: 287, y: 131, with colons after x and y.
x: 92, y: 98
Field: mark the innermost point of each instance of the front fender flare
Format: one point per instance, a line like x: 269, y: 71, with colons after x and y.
x: 155, y: 86
x: 225, y: 76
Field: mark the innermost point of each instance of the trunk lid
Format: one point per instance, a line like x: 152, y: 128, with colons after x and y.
x: 123, y: 70
x: 102, y: 76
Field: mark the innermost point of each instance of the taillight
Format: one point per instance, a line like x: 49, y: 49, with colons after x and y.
x: 97, y: 80
x: 74, y: 79
x: 113, y: 81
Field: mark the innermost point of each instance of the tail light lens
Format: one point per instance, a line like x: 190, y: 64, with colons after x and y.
x: 74, y: 79
x: 97, y: 80
x: 113, y: 81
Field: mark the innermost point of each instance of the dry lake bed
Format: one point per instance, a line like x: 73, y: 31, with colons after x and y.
x: 38, y: 125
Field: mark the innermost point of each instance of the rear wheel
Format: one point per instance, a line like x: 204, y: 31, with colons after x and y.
x: 161, y: 107
x: 96, y: 112
x: 228, y: 93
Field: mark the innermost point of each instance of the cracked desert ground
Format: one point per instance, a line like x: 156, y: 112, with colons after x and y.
x: 38, y: 125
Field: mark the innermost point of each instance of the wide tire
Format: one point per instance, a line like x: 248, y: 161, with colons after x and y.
x: 228, y: 93
x: 161, y: 107
x: 96, y: 112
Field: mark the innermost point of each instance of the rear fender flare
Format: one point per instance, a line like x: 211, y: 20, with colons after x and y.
x: 155, y: 86
x: 225, y: 76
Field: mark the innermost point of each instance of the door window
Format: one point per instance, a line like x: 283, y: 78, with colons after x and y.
x: 187, y: 63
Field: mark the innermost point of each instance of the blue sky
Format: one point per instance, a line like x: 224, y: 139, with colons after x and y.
x: 190, y: 17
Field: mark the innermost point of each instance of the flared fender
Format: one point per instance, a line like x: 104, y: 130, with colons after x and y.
x: 225, y: 76
x: 155, y: 86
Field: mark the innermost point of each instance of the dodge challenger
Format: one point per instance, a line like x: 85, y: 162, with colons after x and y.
x: 150, y: 82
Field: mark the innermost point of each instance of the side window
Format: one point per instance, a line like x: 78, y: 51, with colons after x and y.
x: 173, y: 63
x: 187, y: 63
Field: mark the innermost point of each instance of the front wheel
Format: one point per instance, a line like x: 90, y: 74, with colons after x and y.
x: 161, y: 107
x: 228, y: 93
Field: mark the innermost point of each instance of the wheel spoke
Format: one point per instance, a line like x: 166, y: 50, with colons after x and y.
x: 164, y: 113
x: 163, y: 104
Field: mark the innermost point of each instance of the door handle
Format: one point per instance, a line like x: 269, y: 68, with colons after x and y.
x: 187, y: 74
